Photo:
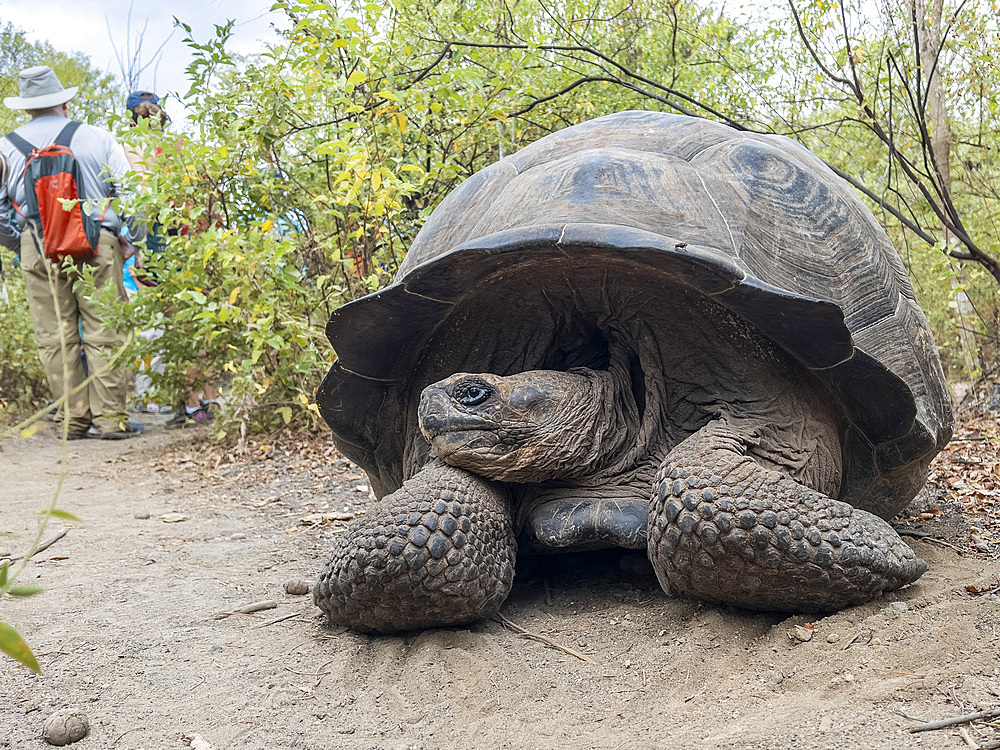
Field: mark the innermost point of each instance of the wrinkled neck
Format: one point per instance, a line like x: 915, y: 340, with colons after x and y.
x: 590, y: 432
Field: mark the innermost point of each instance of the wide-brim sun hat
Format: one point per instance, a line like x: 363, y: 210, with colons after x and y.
x: 40, y: 88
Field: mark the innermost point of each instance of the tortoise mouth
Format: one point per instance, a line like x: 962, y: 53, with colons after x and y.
x: 434, y: 425
x: 450, y: 443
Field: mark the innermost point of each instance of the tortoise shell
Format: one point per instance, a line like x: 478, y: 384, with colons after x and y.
x: 755, y: 223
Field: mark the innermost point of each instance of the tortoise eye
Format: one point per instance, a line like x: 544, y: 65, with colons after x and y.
x: 472, y: 394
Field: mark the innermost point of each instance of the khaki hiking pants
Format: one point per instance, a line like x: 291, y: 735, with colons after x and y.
x: 51, y: 297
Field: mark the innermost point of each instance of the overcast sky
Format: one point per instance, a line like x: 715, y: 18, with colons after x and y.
x: 82, y: 26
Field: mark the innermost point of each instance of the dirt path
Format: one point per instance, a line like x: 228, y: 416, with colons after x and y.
x: 126, y: 631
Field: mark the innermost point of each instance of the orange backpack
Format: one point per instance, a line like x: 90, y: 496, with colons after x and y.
x: 52, y: 176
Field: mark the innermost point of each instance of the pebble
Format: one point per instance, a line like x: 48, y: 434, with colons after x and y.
x: 802, y: 634
x: 142, y: 515
x: 900, y: 606
x: 298, y: 588
x: 65, y: 726
x: 216, y: 649
x: 173, y: 517
x: 991, y: 597
x: 833, y: 638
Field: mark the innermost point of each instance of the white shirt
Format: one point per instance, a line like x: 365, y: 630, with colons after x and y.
x: 101, y: 160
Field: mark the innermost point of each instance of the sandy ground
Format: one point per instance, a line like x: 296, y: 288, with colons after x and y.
x: 175, y: 533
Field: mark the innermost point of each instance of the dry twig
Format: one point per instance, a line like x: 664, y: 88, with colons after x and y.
x: 133, y: 729
x: 248, y: 609
x: 280, y: 619
x: 925, y: 537
x: 41, y: 547
x: 896, y: 671
x: 942, y: 723
x: 542, y: 639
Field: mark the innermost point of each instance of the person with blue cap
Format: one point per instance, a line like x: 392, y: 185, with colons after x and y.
x: 57, y: 303
x: 141, y: 104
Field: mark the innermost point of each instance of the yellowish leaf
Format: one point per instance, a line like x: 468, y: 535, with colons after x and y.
x: 12, y: 644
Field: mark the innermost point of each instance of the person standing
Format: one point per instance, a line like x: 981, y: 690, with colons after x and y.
x: 193, y: 409
x: 65, y: 320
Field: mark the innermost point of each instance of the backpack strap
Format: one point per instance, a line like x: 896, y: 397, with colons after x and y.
x: 20, y: 144
x: 66, y: 134
x: 63, y: 139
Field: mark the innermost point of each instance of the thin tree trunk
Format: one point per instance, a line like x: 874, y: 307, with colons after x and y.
x: 929, y: 36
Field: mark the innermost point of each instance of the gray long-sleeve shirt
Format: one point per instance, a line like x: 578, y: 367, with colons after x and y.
x: 102, y: 164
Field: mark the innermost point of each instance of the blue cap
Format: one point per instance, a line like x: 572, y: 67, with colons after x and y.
x: 138, y: 97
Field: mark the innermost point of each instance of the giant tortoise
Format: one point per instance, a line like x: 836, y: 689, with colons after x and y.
x: 648, y: 331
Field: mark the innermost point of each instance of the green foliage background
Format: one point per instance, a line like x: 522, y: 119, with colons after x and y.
x: 316, y: 163
x: 306, y: 171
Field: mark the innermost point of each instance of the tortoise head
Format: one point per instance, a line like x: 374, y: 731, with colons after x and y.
x: 528, y: 427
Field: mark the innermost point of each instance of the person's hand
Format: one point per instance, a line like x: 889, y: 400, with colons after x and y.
x: 128, y: 250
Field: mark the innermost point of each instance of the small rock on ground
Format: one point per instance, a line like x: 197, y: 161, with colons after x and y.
x: 297, y: 588
x: 65, y: 726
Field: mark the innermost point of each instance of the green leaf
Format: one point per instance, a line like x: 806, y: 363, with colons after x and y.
x: 56, y: 513
x: 3, y: 574
x: 12, y: 644
x: 24, y: 591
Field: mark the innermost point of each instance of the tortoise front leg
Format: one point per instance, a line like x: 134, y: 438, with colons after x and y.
x: 438, y: 551
x: 724, y: 528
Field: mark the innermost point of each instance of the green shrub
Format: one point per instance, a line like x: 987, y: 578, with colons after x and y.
x: 22, y: 380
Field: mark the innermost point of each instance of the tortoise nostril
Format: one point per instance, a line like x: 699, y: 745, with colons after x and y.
x: 434, y: 410
x: 432, y: 422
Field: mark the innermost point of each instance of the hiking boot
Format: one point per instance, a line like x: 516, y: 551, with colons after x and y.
x: 151, y: 407
x: 125, y: 430
x: 78, y: 434
x: 184, y: 418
